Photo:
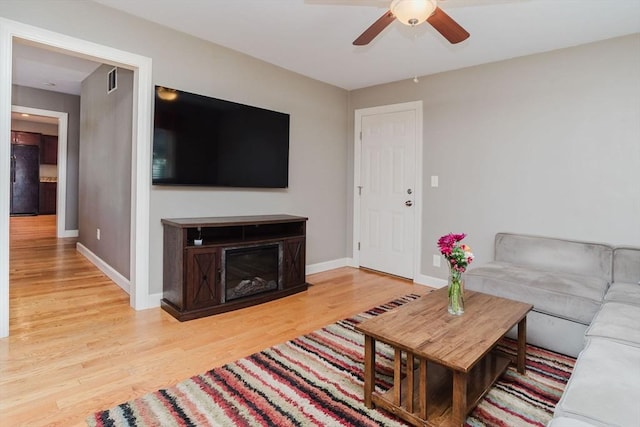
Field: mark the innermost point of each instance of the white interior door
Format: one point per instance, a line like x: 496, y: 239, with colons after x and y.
x: 387, y: 189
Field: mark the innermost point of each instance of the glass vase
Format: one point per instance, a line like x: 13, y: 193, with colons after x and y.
x: 456, y: 293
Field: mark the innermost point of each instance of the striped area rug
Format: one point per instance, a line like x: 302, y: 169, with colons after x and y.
x: 317, y: 380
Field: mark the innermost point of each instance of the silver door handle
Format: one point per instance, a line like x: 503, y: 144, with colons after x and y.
x: 408, y: 203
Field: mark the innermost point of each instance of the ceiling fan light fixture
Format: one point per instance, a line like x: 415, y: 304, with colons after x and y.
x: 167, y: 94
x: 413, y: 12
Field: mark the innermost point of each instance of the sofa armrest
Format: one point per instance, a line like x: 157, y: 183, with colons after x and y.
x: 626, y: 265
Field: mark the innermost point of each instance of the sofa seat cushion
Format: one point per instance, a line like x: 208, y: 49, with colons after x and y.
x: 570, y: 296
x: 627, y: 293
x: 603, y: 388
x: 618, y: 322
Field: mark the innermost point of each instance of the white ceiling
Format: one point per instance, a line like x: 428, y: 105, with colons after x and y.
x: 48, y: 70
x: 313, y: 37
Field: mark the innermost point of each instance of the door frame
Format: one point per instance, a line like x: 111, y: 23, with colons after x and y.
x: 61, y: 193
x: 415, y: 106
x: 139, y: 297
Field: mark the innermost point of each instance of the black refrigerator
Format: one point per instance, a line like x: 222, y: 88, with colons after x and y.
x: 25, y: 179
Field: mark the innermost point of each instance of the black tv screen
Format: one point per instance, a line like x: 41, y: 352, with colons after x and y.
x: 198, y: 140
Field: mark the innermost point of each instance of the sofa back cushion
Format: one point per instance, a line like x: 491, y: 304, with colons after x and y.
x: 555, y: 255
x: 626, y: 265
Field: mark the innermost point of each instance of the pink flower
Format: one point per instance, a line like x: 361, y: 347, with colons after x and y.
x: 448, y: 241
x: 459, y: 256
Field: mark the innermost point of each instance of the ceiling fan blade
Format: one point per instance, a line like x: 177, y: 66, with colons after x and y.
x: 446, y: 26
x: 375, y: 29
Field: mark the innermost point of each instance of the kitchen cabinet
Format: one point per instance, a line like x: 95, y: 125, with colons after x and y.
x: 48, y: 196
x: 25, y: 138
x: 49, y: 150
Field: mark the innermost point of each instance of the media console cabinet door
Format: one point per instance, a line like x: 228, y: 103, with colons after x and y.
x: 294, y: 262
x: 203, y: 277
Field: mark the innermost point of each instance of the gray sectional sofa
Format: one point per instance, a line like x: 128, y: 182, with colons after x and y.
x: 586, y: 299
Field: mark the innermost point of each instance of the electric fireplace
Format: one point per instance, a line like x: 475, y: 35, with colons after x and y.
x: 213, y: 265
x: 251, y: 270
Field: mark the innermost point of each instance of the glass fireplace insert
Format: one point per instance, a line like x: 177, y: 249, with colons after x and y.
x: 251, y: 270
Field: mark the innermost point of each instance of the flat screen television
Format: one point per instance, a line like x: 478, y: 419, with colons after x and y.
x: 203, y: 141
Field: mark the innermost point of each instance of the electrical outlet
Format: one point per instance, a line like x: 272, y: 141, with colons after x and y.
x: 98, y: 233
x: 436, y: 260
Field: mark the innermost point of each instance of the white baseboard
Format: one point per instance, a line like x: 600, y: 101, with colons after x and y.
x: 109, y: 271
x: 69, y: 233
x: 153, y: 300
x: 420, y: 279
x: 433, y: 282
x: 325, y: 266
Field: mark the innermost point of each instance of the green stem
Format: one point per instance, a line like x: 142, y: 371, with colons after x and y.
x: 455, y: 290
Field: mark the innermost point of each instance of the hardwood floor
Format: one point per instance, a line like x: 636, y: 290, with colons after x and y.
x: 76, y: 347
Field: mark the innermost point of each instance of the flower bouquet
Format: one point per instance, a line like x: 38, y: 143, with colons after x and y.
x: 458, y: 256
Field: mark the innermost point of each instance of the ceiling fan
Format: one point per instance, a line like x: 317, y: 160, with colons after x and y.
x: 412, y: 13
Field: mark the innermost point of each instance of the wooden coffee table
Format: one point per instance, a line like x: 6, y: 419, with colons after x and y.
x: 449, y: 362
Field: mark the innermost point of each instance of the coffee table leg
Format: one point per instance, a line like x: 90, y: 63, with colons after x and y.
x: 369, y: 369
x: 423, y: 389
x: 522, y: 345
x: 459, y: 401
x: 397, y: 377
x: 410, y: 383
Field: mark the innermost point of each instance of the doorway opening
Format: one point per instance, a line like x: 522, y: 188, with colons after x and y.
x: 11, y: 31
x: 58, y: 174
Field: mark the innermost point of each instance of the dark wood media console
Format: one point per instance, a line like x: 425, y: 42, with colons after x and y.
x: 239, y: 262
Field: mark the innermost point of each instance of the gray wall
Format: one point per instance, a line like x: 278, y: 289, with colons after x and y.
x: 105, y: 167
x: 70, y: 104
x: 318, y: 138
x: 547, y: 144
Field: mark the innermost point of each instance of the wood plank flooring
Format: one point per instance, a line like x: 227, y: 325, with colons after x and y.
x: 76, y: 347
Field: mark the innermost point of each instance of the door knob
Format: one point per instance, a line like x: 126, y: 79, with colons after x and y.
x: 408, y: 203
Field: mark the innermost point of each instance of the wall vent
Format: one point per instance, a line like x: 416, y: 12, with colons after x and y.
x: 112, y: 80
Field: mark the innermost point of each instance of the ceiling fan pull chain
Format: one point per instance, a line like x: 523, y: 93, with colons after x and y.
x: 415, y: 60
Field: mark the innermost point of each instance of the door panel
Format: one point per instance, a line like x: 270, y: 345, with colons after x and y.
x: 388, y: 183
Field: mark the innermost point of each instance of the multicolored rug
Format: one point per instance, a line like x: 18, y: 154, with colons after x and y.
x: 317, y: 380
